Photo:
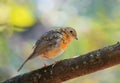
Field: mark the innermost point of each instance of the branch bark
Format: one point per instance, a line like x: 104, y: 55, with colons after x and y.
x: 73, y: 67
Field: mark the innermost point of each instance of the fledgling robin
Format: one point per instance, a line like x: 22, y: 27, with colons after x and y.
x: 52, y: 43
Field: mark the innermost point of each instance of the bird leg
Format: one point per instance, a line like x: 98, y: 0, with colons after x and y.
x: 55, y: 62
x: 43, y: 62
x: 50, y: 59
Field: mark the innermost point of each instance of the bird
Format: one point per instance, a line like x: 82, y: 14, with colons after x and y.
x: 52, y: 43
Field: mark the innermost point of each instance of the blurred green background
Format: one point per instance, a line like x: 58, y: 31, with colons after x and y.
x: 22, y: 22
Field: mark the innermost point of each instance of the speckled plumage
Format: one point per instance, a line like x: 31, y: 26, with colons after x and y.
x: 52, y: 43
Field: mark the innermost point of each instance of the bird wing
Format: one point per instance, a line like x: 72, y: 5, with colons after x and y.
x: 47, y: 41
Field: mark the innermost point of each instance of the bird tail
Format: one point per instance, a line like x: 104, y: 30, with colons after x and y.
x: 30, y: 57
x: 22, y: 64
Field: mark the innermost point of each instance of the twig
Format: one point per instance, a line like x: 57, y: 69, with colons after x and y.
x: 73, y: 67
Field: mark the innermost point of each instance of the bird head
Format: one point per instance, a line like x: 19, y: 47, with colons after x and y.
x: 71, y: 32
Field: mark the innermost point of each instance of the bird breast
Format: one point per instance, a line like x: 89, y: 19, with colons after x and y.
x: 53, y: 53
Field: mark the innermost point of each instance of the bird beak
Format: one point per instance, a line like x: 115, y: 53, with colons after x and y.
x: 76, y: 38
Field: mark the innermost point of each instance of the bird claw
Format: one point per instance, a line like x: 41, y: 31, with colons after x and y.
x: 55, y: 63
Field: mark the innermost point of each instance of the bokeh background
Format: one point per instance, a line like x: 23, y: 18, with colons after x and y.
x: 22, y: 22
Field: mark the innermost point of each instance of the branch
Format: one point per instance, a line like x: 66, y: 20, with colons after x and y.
x: 71, y: 68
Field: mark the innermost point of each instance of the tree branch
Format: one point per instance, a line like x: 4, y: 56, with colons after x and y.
x: 71, y: 68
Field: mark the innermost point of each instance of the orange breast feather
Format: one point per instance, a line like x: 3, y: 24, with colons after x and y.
x: 65, y: 42
x: 64, y: 45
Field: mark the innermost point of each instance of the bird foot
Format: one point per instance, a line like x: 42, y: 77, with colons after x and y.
x: 55, y: 63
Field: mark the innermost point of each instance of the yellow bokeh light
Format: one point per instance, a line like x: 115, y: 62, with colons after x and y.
x: 21, y: 16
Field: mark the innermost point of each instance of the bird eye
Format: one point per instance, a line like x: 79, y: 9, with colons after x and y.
x: 71, y: 31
